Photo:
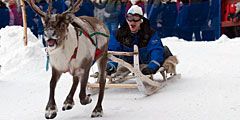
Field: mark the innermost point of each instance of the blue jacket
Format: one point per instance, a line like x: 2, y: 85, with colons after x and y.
x: 86, y: 9
x: 150, y: 48
x: 31, y: 20
x: 4, y: 20
x: 58, y: 6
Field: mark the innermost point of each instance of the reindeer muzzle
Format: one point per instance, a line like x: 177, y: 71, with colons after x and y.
x: 51, y: 42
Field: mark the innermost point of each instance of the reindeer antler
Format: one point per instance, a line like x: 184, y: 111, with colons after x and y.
x: 36, y: 8
x: 74, y: 7
x: 49, y: 7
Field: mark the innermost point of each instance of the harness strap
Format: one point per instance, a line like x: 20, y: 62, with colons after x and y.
x: 74, y: 55
x: 99, y: 33
x: 88, y: 36
x: 47, y: 62
x: 98, y: 52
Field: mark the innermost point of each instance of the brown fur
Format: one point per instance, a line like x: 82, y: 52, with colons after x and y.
x: 92, y: 21
x: 170, y: 65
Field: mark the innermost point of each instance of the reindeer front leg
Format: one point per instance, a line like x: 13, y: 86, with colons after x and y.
x: 84, y: 99
x: 51, y: 108
x: 69, y: 102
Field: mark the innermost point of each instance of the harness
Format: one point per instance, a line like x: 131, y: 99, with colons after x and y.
x: 79, y: 31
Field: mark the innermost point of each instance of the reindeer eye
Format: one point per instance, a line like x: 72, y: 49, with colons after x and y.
x: 62, y: 26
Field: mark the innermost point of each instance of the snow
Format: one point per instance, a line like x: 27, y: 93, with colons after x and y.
x: 208, y: 90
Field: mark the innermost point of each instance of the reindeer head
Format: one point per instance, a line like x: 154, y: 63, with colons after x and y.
x: 56, y: 29
x: 55, y: 25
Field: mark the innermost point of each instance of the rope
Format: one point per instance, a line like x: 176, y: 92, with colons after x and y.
x: 47, y: 63
x: 98, y: 33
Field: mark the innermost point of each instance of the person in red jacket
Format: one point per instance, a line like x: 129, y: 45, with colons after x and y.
x: 16, y: 13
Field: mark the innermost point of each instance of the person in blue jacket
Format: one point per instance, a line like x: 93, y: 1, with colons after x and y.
x: 4, y: 12
x: 31, y: 19
x: 162, y: 17
x: 59, y: 6
x: 43, y: 5
x: 86, y: 9
x: 137, y: 31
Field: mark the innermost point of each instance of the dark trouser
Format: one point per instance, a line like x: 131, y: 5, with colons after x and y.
x: 166, y: 53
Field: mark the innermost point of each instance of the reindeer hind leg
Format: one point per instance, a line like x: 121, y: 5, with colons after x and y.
x: 98, y: 111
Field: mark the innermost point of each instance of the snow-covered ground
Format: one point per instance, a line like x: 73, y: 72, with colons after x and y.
x: 208, y: 90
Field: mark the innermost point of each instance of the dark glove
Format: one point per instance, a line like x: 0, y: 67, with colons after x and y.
x: 110, y: 69
x: 148, y: 71
x: 151, y: 68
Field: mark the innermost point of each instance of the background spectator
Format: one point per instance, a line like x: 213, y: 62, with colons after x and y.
x: 169, y: 19
x: 86, y: 8
x: 99, y: 8
x: 4, y: 11
x: 42, y: 4
x: 162, y: 17
x: 31, y: 20
x: 16, y: 15
x: 215, y: 21
x: 59, y: 6
x: 193, y: 19
x: 198, y: 17
x: 154, y: 14
x: 123, y: 12
x: 111, y: 13
x: 182, y: 23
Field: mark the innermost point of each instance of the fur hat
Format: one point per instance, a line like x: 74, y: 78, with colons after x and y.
x: 135, y: 9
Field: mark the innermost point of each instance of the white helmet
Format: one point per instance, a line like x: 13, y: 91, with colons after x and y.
x: 135, y: 9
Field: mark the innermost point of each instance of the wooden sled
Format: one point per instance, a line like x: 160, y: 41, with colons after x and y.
x: 145, y: 83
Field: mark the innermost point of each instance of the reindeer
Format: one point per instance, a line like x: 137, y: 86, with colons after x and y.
x: 72, y: 49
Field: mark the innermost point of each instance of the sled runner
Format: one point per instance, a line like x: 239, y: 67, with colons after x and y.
x: 144, y: 83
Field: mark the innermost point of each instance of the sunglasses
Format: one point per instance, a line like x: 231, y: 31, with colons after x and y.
x: 134, y: 18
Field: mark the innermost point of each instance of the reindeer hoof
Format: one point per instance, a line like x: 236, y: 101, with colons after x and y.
x: 50, y: 114
x: 86, y: 100
x: 67, y: 105
x: 97, y: 113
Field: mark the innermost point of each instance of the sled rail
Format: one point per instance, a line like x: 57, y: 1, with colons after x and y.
x: 122, y: 53
x: 131, y: 86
